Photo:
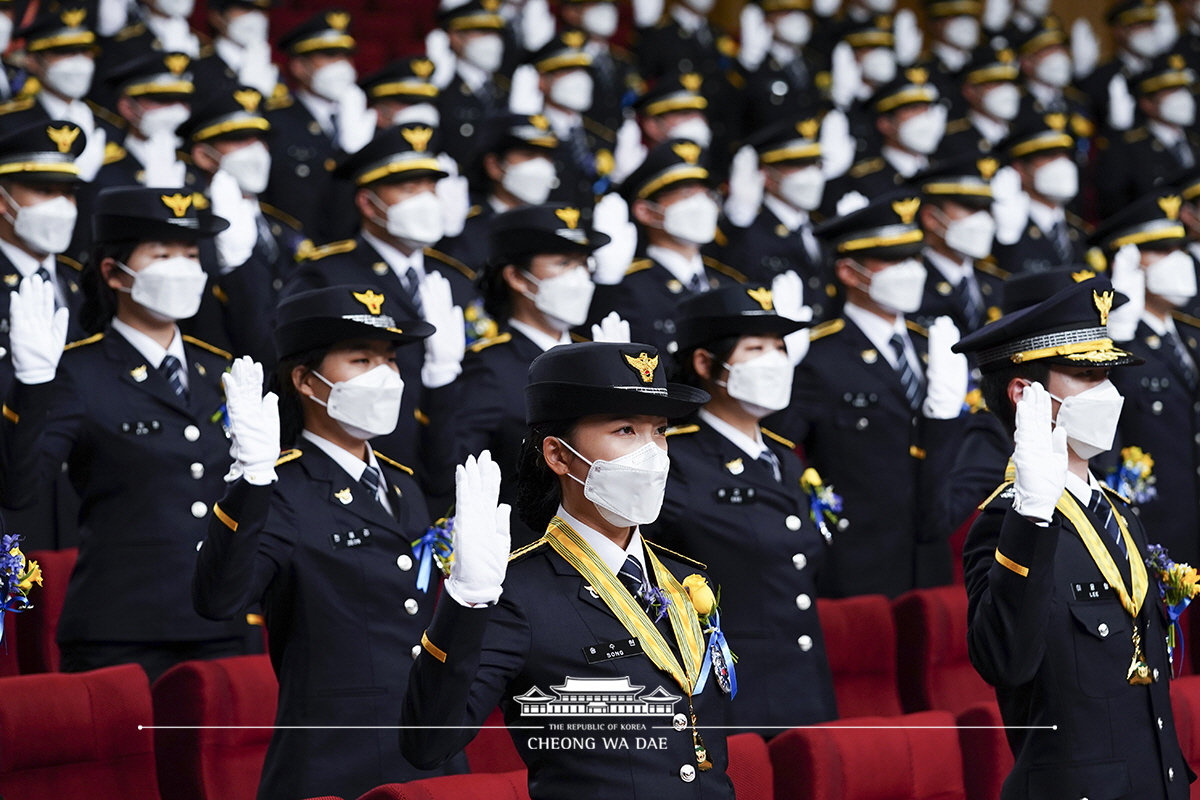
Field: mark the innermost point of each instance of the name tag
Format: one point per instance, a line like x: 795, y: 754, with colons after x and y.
x: 1092, y: 591
x: 736, y: 495
x: 350, y: 539
x: 622, y: 648
x: 140, y: 428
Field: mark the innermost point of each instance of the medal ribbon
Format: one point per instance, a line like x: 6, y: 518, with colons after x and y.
x: 568, y: 544
x: 1070, y: 508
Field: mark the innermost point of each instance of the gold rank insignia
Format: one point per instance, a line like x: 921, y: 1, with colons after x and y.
x: 12, y: 279
x: 371, y: 299
x: 1103, y: 301
x: 139, y: 373
x: 762, y: 297
x: 418, y: 137
x: 735, y: 467
x: 540, y: 122
x: 343, y: 496
x: 178, y: 203
x: 379, y: 268
x: 643, y: 365
x: 63, y: 137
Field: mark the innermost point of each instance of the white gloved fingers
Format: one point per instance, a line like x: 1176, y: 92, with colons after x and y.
x: 850, y: 202
x: 797, y: 344
x: 646, y: 13
x: 826, y: 8
x: 908, y: 37
x: 846, y: 77
x: 837, y: 145
x: 996, y: 14
x: 611, y: 329
x: 1121, y: 105
x: 755, y: 36
x: 787, y: 294
x: 745, y: 188
x: 434, y: 292
x: 525, y: 95
x: 1085, y: 49
x: 454, y: 194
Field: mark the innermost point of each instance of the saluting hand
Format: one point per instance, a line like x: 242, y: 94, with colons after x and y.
x: 253, y: 423
x: 1040, y: 457
x: 1128, y: 279
x: 481, y: 535
x: 611, y: 329
x: 37, y: 332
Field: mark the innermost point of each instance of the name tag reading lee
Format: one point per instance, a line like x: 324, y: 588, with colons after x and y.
x: 622, y: 648
x: 1099, y: 590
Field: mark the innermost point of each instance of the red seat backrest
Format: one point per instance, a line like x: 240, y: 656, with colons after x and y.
x: 1185, y: 703
x: 860, y: 642
x: 36, y: 631
x: 985, y: 748
x: 9, y: 664
x: 492, y: 749
x: 920, y: 761
x: 493, y: 786
x: 78, y: 735
x: 750, y: 767
x: 933, y: 669
x: 212, y: 764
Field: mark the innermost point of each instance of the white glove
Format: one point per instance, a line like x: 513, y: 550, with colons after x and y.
x: 1166, y: 27
x: 257, y: 71
x: 996, y: 14
x: 524, y: 97
x: 253, y: 423
x: 1040, y: 456
x: 37, y: 332
x: 1128, y: 279
x: 1120, y: 104
x: 909, y: 39
x: 787, y: 294
x: 481, y: 538
x: 629, y: 153
x: 745, y: 188
x: 837, y: 145
x: 355, y: 122
x: 826, y: 8
x: 1085, y: 50
x: 235, y: 243
x: 647, y: 13
x: 851, y: 201
x: 111, y: 16
x: 756, y: 37
x: 1010, y: 206
x: 611, y: 217
x: 611, y: 329
x: 437, y: 50
x: 537, y: 25
x: 162, y: 168
x: 444, y: 349
x: 92, y: 158
x: 455, y: 197
x: 845, y: 75
x: 947, y: 373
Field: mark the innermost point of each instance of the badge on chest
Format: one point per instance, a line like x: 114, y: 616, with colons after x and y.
x: 611, y: 651
x: 736, y: 495
x: 340, y: 541
x: 1092, y: 590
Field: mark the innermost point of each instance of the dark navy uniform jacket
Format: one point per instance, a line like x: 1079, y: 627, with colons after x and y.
x: 1135, y: 163
x: 147, y: 464
x: 764, y: 553
x: 1056, y: 643
x: 533, y: 640
x: 942, y: 299
x: 336, y: 576
x: 1034, y: 252
x: 464, y: 115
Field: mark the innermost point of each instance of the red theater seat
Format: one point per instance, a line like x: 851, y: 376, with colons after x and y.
x: 860, y: 641
x: 987, y: 758
x: 36, y: 643
x: 492, y: 749
x: 834, y: 762
x: 750, y: 767
x: 496, y: 786
x: 1185, y: 703
x: 8, y: 648
x: 214, y: 764
x: 932, y: 668
x: 77, y: 736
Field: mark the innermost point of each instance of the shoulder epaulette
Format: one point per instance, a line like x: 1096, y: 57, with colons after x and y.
x: 1075, y: 94
x: 681, y: 429
x: 1135, y: 135
x: 130, y: 31
x: 1077, y: 221
x: 724, y: 269
x: 116, y: 120
x: 672, y: 553
x: 989, y: 267
x: 450, y: 261
x: 288, y: 455
x: 827, y: 328
x: 958, y: 125
x: 577, y: 339
x: 70, y: 262
x: 206, y: 346
x: 280, y: 98
x: 331, y: 249
x: 392, y: 463
x: 1187, y: 319
x: 639, y: 265
x: 863, y: 168
x: 999, y: 490
x: 16, y: 105
x: 790, y: 445
x: 1114, y: 493
x: 603, y: 131
x: 282, y: 216
x: 474, y: 211
x: 917, y: 329
x: 527, y: 549
x: 89, y: 340
x: 719, y: 238
x: 113, y: 153
x: 484, y: 344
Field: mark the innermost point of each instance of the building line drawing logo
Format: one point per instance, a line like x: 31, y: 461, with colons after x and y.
x: 597, y: 697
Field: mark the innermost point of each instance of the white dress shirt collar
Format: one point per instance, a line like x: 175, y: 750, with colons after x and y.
x: 907, y: 164
x: 679, y: 265
x: 543, y: 340
x: 792, y: 218
x: 1046, y: 217
x: 395, y: 259
x: 1081, y: 489
x: 751, y: 447
x: 320, y: 108
x: 152, y: 351
x: 354, y: 466
x: 612, y: 555
x: 880, y: 332
x: 25, y: 263
x: 951, y: 270
x: 992, y: 130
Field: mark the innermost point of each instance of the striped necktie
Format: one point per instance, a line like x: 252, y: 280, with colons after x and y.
x: 370, y: 479
x: 912, y: 384
x: 172, y: 370
x: 1102, y: 508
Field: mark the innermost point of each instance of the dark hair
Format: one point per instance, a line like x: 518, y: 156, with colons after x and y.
x: 682, y: 363
x: 291, y: 402
x: 538, y: 493
x: 994, y: 388
x: 99, y: 299
x: 495, y: 291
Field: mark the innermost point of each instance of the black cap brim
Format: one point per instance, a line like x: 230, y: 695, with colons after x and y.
x: 116, y: 228
x: 311, y: 334
x: 551, y: 401
x: 701, y: 330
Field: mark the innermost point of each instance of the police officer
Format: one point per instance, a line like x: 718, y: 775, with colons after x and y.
x: 614, y: 69
x: 673, y: 108
x: 730, y: 476
x: 241, y: 48
x: 1055, y: 569
x: 403, y: 91
x: 147, y: 26
x: 954, y: 30
x: 989, y: 90
x: 478, y: 37
x: 1136, y: 41
x: 135, y: 411
x: 792, y: 75
x: 331, y: 517
x: 574, y: 615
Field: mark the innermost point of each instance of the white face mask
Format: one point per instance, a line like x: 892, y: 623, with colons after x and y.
x: 71, y: 77
x: 694, y: 129
x: 803, y: 188
x: 1173, y: 278
x: 422, y: 113
x: 693, y: 219
x: 1003, y: 102
x: 45, y: 227
x: 762, y: 385
x: 573, y: 90
x: 880, y: 6
x: 1034, y: 8
x: 250, y: 166
x: 6, y: 29
x: 1057, y: 180
x: 564, y: 299
x: 972, y: 236
x: 367, y: 405
x: 1145, y: 42
x: 159, y: 121
x: 418, y: 220
x: 897, y: 288
x: 878, y: 66
x: 485, y: 51
x: 1054, y: 69
x: 629, y: 490
x: 600, y: 19
x: 923, y: 132
x: 1178, y: 108
x: 334, y: 79
x: 175, y: 8
x: 530, y: 181
x: 248, y: 29
x: 1090, y: 419
x: 700, y: 6
x: 794, y: 28
x: 170, y: 289
x: 962, y: 32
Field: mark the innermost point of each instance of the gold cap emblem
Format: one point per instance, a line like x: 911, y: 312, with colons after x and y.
x: 178, y: 203
x: 422, y: 67
x: 987, y: 167
x: 417, y: 137
x: 1175, y: 61
x: 1170, y: 206
x: 688, y: 151
x: 574, y: 39
x: 176, y: 63
x: 338, y: 20
x: 74, y: 18
x: 917, y: 75
x: 63, y: 137
x: 372, y: 299
x: 248, y: 99
x: 540, y: 122
x: 569, y: 216
x: 808, y: 128
x: 691, y: 81
x: 1103, y: 301
x: 1057, y: 121
x: 907, y: 209
x: 762, y: 296
x: 643, y: 365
